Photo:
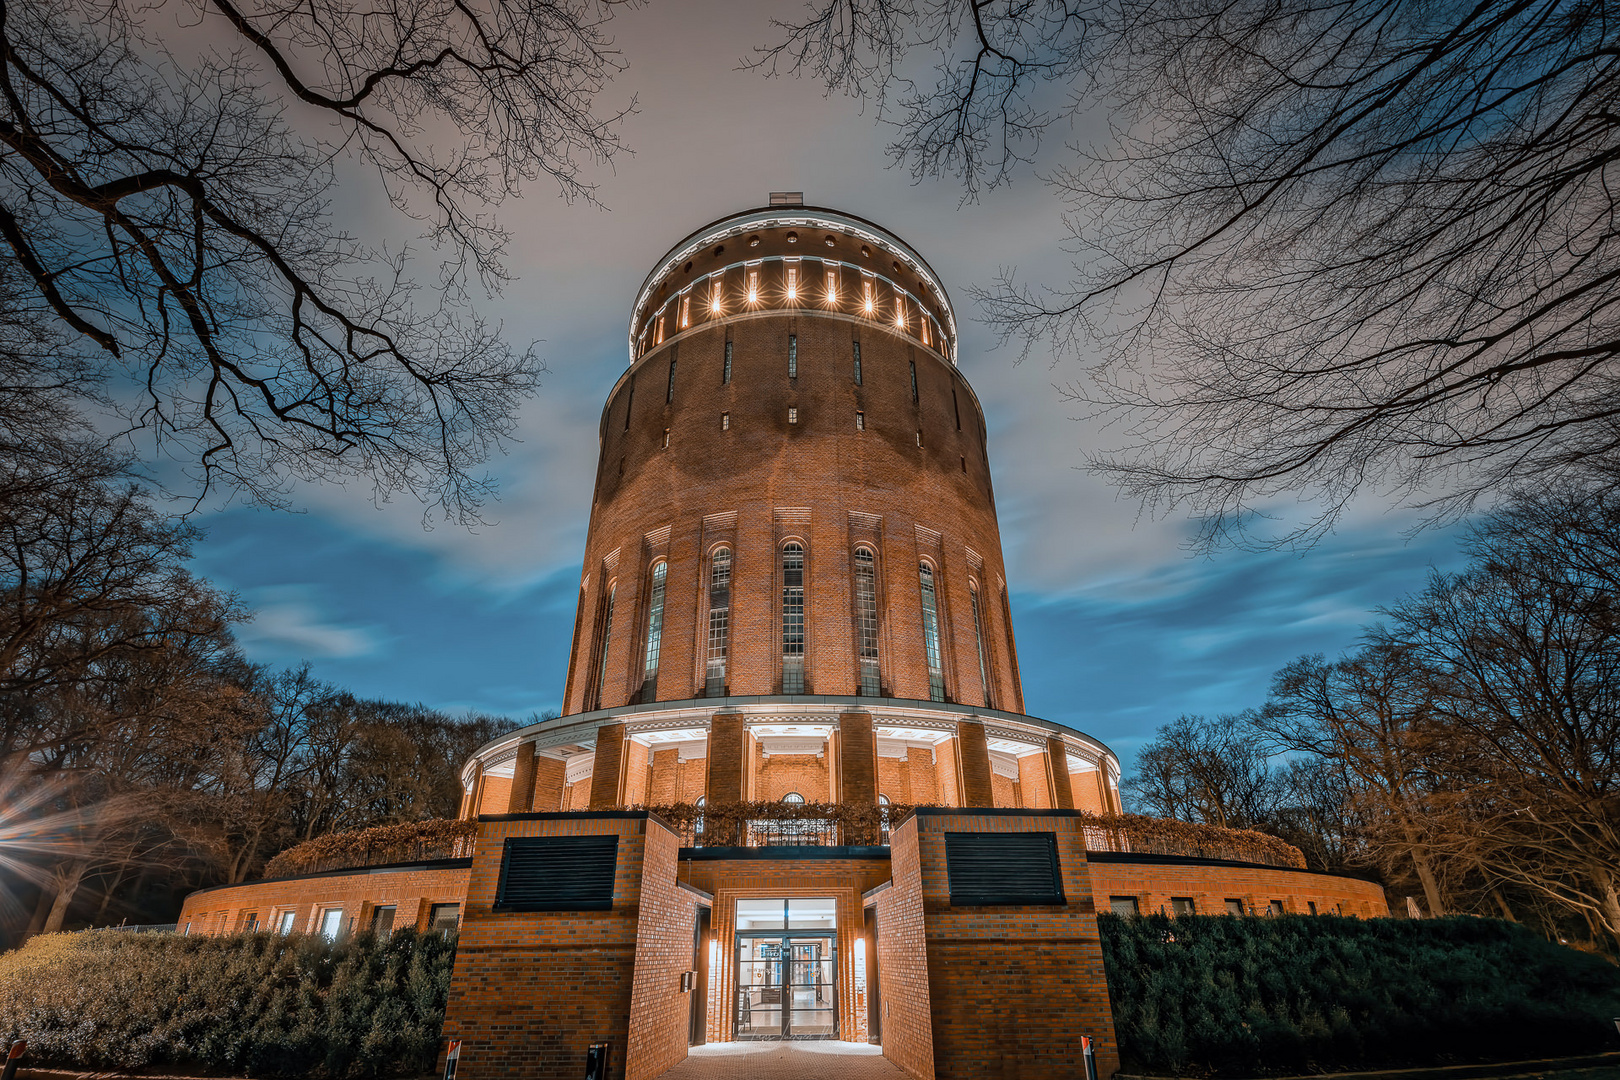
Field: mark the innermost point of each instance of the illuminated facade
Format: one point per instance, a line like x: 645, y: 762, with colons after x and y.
x: 794, y: 792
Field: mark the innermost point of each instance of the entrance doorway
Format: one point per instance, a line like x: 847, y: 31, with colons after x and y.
x: 787, y: 969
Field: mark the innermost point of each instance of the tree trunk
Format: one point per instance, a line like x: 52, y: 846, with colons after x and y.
x: 1507, y: 912
x: 64, y: 896
x: 1425, y: 873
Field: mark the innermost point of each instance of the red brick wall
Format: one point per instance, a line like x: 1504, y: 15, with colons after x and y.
x: 410, y: 891
x: 1011, y: 989
x: 904, y: 1006
x: 549, y: 782
x: 779, y: 774
x: 1153, y: 886
x: 664, y: 929
x: 1032, y: 790
x: 607, y: 768
x: 531, y: 991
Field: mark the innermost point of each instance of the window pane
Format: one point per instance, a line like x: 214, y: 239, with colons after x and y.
x: 936, y: 673
x: 761, y: 914
x: 1122, y: 905
x: 815, y: 913
x: 719, y: 622
x: 866, y: 623
x: 655, y: 633
x: 978, y: 636
x: 793, y: 619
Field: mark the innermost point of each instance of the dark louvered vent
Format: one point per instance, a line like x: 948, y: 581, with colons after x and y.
x: 557, y: 873
x: 1003, y: 868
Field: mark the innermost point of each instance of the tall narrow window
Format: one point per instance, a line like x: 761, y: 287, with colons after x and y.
x: 714, y: 679
x: 832, y: 285
x: 866, y: 623
x: 857, y: 363
x: 725, y: 421
x: 629, y: 402
x: 930, y: 614
x: 866, y: 295
x: 900, y: 312
x: 669, y: 391
x: 602, y: 645
x: 655, y: 633
x: 914, y: 382
x: 725, y: 372
x: 793, y: 356
x: 978, y: 636
x: 716, y: 293
x: 686, y: 312
x: 793, y: 414
x: 957, y: 406
x: 792, y: 283
x: 793, y: 619
x: 860, y: 420
x: 662, y: 318
x: 922, y: 322
x: 753, y: 286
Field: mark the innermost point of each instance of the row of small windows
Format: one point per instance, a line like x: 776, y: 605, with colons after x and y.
x: 876, y: 297
x: 791, y: 623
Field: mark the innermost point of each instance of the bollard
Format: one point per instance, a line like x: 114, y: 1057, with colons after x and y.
x: 596, y: 1061
x: 13, y: 1056
x: 1091, y: 1058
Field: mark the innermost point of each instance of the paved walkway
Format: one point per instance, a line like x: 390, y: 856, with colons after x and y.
x: 808, y: 1060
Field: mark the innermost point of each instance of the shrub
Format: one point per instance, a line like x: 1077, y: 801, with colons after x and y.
x: 410, y: 841
x: 247, y: 1004
x: 1299, y: 993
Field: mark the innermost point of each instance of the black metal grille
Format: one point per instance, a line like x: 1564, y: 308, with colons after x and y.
x: 557, y: 873
x: 1003, y: 868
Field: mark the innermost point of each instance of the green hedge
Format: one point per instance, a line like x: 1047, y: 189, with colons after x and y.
x: 1299, y: 993
x: 247, y: 1004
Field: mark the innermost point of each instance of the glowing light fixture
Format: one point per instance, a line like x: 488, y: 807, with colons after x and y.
x: 900, y: 312
x: 832, y: 285
x: 714, y: 295
x: 793, y: 282
x: 753, y: 286
x: 866, y: 292
x: 686, y: 312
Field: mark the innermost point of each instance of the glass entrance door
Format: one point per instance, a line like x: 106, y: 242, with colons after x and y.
x: 786, y: 986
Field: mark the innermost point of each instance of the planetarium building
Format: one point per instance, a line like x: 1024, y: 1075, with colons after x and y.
x: 794, y: 792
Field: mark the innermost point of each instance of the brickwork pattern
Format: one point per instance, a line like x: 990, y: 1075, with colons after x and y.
x: 973, y: 764
x: 665, y: 922
x: 1057, y: 772
x: 521, y: 797
x: 607, y: 771
x: 1012, y: 989
x: 410, y: 891
x: 1154, y: 886
x: 904, y: 1005
x: 776, y: 775
x: 857, y: 759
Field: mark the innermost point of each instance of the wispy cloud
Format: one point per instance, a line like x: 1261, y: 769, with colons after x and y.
x: 288, y: 625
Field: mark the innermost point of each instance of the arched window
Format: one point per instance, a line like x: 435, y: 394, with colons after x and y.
x: 655, y: 632
x: 866, y: 623
x: 793, y: 797
x: 930, y: 614
x: 714, y: 682
x: 883, y: 800
x: 978, y: 637
x: 792, y: 619
x: 602, y: 642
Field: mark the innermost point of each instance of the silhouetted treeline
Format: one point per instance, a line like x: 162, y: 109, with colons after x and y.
x: 1468, y: 752
x: 140, y: 754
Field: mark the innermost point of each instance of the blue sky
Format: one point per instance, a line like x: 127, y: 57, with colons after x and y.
x: 1119, y: 629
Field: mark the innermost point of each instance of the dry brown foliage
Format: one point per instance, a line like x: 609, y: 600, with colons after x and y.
x: 411, y: 841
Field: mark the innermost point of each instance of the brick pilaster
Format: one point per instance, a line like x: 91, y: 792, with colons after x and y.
x: 857, y: 758
x: 973, y: 764
x: 608, y: 769
x: 521, y: 799
x: 726, y: 749
x: 1057, y: 773
x: 550, y: 781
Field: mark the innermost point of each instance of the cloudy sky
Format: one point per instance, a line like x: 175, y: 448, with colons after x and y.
x: 1119, y: 629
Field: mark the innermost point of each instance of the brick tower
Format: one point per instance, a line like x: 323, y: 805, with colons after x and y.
x: 793, y: 585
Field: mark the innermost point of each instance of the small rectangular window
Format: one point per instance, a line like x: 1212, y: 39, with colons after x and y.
x: 793, y: 356
x: 725, y: 372
x: 793, y: 415
x: 1123, y: 905
x: 919, y: 436
x: 914, y: 382
x: 444, y: 918
x: 666, y: 438
x: 857, y: 363
x: 860, y: 420
x: 250, y: 921
x: 382, y: 921
x: 287, y: 922
x: 725, y: 421
x: 964, y: 463
x: 332, y: 923
x: 1183, y: 905
x: 1234, y: 907
x: 1274, y: 908
x: 1310, y: 905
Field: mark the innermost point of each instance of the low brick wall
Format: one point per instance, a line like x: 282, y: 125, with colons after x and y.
x: 411, y: 889
x: 1154, y: 881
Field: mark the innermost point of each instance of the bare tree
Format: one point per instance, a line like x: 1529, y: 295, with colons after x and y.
x: 166, y: 177
x: 1336, y: 244
x: 1212, y: 771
